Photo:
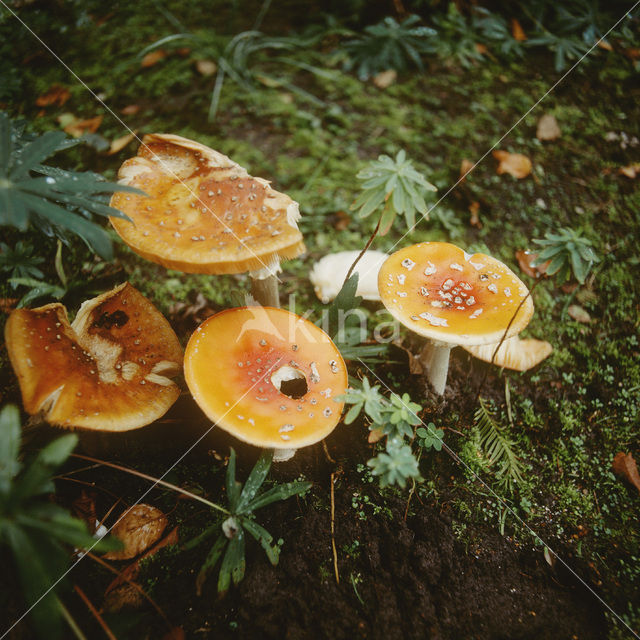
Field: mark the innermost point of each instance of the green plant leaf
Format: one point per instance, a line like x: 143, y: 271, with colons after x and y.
x: 279, y: 492
x: 343, y: 302
x: 233, y: 487
x: 212, y: 559
x: 264, y: 538
x: 255, y: 480
x: 10, y: 432
x: 35, y: 152
x: 233, y: 563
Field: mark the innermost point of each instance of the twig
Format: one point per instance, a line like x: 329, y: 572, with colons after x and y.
x: 413, y: 489
x: 163, y: 483
x: 333, y: 524
x: 94, y: 612
x: 326, y: 452
x: 366, y: 246
x: 71, y: 621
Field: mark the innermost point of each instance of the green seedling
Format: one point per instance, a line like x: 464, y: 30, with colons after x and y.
x: 243, y: 501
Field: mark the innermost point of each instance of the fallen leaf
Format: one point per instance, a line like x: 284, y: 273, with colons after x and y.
x: 465, y: 167
x: 549, y: 556
x: 515, y: 164
x: 120, y: 143
x: 138, y: 528
x: 342, y: 220
x: 375, y: 435
x: 548, y: 128
x: 630, y: 171
x: 625, y: 466
x: 84, y: 508
x: 183, y: 52
x: 603, y: 44
x: 385, y: 78
x: 526, y: 261
x: 126, y: 596
x: 481, y: 49
x: 632, y: 53
x: 56, y: 95
x: 206, y: 67
x: 579, y: 314
x: 153, y: 58
x: 569, y: 287
x: 130, y: 110
x: 517, y: 31
x: 77, y: 128
x: 474, y: 209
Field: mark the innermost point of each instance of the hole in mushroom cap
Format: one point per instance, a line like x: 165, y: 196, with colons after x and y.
x: 290, y: 381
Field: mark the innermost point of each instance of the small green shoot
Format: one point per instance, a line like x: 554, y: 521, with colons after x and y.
x: 243, y: 501
x: 430, y: 438
x: 569, y: 252
x: 396, y: 465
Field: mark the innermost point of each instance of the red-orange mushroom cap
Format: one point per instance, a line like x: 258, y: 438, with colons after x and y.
x: 453, y: 298
x: 237, y: 363
x: 109, y: 370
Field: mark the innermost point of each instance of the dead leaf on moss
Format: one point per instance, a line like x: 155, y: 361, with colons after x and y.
x: 474, y: 210
x: 579, y: 314
x: 126, y: 596
x: 465, y: 167
x: 56, y: 95
x: 515, y: 164
x: 548, y: 128
x: 603, y: 44
x: 481, y: 49
x: 625, y: 466
x: 206, y: 67
x: 130, y: 110
x: 526, y: 261
x: 152, y: 58
x: 77, y: 128
x: 385, y: 79
x: 341, y: 221
x: 517, y: 31
x: 375, y: 435
x: 630, y: 171
x: 138, y: 528
x: 120, y: 143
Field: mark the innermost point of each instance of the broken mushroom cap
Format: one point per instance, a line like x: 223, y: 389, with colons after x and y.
x: 328, y: 274
x: 514, y: 353
x: 267, y: 376
x: 443, y: 293
x: 107, y: 371
x: 204, y: 213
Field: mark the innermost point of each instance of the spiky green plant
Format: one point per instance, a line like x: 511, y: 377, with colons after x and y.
x: 53, y: 200
x: 569, y: 252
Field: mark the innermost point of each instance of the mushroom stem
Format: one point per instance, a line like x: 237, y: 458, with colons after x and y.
x: 434, y: 358
x: 265, y: 290
x: 282, y: 455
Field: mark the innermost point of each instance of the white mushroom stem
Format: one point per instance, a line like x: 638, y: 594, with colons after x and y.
x: 264, y: 285
x: 282, y: 455
x: 434, y: 359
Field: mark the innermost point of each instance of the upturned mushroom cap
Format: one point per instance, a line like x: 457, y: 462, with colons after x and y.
x: 107, y: 371
x: 204, y: 213
x: 236, y: 364
x: 514, y: 353
x: 441, y: 292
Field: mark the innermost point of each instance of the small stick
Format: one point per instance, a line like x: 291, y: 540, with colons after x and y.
x: 326, y: 452
x: 333, y: 539
x: 366, y: 246
x: 94, y: 612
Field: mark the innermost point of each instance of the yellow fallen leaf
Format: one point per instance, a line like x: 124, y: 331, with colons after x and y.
x: 138, y: 528
x: 579, y: 314
x: 120, y: 143
x: 517, y: 31
x: 630, y: 171
x: 77, y: 128
x: 474, y: 210
x: 548, y: 128
x: 624, y: 465
x: 515, y: 164
x: 56, y: 95
x: 465, y: 167
x: 153, y: 58
x: 385, y: 78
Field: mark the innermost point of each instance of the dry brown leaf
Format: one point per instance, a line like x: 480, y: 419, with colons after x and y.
x: 603, y: 44
x: 625, y: 466
x: 465, y: 167
x: 84, y: 508
x: 130, y: 110
x: 375, y: 435
x: 548, y: 128
x: 206, y: 67
x: 526, y: 260
x: 77, y: 128
x: 138, y: 528
x: 120, y: 143
x: 481, y: 49
x: 153, y: 58
x: 56, y: 95
x: 385, y: 78
x: 632, y: 53
x: 579, y: 314
x: 474, y: 210
x: 630, y: 171
x: 515, y: 164
x: 517, y: 31
x: 342, y: 221
x: 126, y: 596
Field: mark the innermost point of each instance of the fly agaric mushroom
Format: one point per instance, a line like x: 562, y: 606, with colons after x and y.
x: 206, y: 214
x: 514, y: 353
x: 328, y: 274
x: 107, y: 371
x: 452, y: 298
x: 267, y: 376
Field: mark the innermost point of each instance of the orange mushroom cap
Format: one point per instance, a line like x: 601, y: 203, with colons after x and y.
x: 443, y: 293
x: 204, y: 213
x: 106, y: 371
x: 232, y: 364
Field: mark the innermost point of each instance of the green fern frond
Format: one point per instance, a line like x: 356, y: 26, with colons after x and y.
x: 497, y: 447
